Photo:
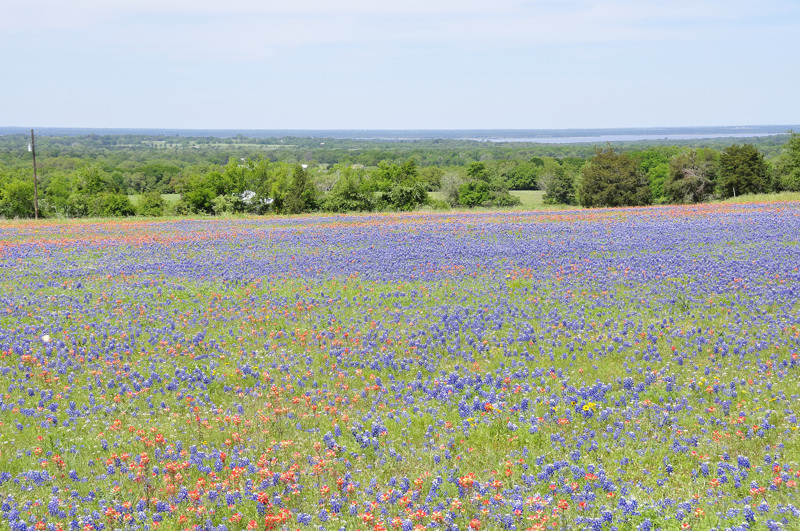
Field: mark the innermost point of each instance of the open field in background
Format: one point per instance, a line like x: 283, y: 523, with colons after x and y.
x: 531, y: 199
x: 169, y: 198
x: 764, y: 198
x: 598, y: 369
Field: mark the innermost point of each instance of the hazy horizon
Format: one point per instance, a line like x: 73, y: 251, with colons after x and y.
x: 489, y: 133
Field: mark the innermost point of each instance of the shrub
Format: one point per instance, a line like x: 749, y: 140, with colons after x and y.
x: 151, y: 204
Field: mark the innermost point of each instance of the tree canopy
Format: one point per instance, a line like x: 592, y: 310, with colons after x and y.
x: 99, y: 175
x: 742, y: 170
x: 613, y: 179
x: 692, y: 176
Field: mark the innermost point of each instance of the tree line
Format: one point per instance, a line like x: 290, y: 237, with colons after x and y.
x: 81, y: 180
x: 612, y: 178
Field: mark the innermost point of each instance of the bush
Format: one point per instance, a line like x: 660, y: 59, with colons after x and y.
x: 199, y: 199
x: 481, y: 193
x: 151, y: 204
x: 407, y: 195
x: 111, y: 205
x: 224, y: 204
x: 438, y: 204
x: 16, y: 199
x: 349, y: 195
x: 474, y: 193
x: 451, y: 185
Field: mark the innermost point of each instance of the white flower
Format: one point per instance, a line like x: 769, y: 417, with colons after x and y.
x: 45, y: 338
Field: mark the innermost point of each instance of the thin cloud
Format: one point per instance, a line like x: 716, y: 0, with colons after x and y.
x: 243, y: 31
x: 86, y: 14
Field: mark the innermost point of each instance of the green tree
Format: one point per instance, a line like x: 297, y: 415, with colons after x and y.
x: 200, y: 189
x: 399, y: 187
x: 156, y: 175
x: 524, y: 175
x: 151, y: 204
x: 93, y: 179
x: 225, y: 204
x: 407, y: 195
x: 63, y: 197
x: 16, y: 198
x: 654, y: 162
x: 560, y: 188
x: 478, y: 171
x: 109, y: 204
x: 742, y: 170
x: 691, y: 177
x: 432, y: 177
x: 115, y: 183
x: 301, y: 196
x: 657, y: 176
x: 613, y: 179
x: 788, y: 164
x: 451, y: 184
x: 487, y: 185
x: 481, y: 193
x: 349, y: 194
x: 268, y: 180
x: 474, y: 193
x: 199, y: 197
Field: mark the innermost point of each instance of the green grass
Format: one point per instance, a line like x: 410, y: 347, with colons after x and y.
x: 763, y: 198
x: 531, y: 199
x: 169, y: 198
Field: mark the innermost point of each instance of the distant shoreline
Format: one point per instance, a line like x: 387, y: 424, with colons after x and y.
x: 539, y: 136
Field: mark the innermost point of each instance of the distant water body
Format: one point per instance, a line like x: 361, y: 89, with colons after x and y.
x: 538, y: 136
x: 628, y: 138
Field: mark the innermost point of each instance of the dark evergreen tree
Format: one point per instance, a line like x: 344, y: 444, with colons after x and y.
x: 613, y: 179
x: 301, y: 196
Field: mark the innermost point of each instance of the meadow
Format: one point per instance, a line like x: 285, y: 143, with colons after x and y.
x: 628, y: 369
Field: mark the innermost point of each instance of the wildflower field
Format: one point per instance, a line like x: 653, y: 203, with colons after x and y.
x: 630, y: 369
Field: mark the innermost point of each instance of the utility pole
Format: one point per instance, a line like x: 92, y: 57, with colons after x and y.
x: 35, y: 188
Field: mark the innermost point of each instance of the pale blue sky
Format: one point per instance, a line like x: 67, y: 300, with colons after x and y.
x: 411, y: 64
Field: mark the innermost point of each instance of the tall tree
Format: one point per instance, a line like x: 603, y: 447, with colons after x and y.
x: 560, y: 188
x: 691, y: 177
x: 789, y: 164
x: 613, y: 179
x: 301, y: 196
x: 742, y: 170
